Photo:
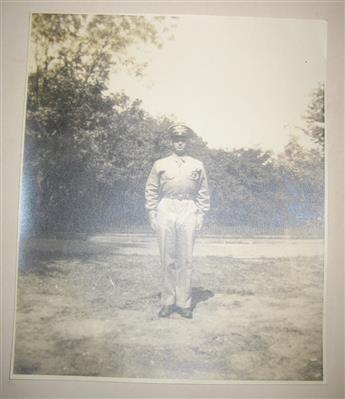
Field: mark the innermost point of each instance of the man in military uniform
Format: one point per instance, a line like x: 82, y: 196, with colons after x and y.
x: 177, y: 198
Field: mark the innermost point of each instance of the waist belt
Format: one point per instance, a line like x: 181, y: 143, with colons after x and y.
x: 179, y: 196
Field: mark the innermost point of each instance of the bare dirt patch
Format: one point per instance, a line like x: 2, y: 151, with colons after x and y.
x: 85, y: 308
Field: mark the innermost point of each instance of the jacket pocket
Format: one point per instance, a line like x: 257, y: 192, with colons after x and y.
x: 167, y: 176
x: 195, y: 174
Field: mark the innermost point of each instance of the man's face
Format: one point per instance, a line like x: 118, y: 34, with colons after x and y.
x: 179, y: 145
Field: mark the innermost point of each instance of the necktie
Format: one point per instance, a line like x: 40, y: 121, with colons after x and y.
x: 180, y: 161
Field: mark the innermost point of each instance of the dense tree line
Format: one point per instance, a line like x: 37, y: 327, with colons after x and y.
x: 88, y: 153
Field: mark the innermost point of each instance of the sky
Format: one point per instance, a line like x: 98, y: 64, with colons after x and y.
x: 237, y: 82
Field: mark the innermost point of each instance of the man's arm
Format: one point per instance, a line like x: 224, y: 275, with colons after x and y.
x: 202, y: 199
x: 152, y: 195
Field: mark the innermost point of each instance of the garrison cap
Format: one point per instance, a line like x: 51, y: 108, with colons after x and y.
x: 180, y: 131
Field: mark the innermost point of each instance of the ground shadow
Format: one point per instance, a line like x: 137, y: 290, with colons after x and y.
x: 200, y: 294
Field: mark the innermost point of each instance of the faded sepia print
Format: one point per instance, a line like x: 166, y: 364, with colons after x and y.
x: 172, y: 199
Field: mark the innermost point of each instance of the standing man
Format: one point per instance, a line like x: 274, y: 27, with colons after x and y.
x: 177, y: 198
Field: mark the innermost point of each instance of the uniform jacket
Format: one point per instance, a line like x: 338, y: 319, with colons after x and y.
x: 180, y: 178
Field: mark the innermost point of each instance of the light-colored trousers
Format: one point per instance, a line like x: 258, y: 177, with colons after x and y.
x: 176, y: 223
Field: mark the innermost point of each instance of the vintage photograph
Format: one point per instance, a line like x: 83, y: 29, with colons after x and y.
x: 172, y: 211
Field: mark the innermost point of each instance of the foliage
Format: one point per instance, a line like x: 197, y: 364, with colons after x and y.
x: 88, y: 47
x: 301, y: 184
x: 302, y: 174
x: 242, y: 183
x: 76, y: 135
x: 88, y: 153
x: 315, y: 117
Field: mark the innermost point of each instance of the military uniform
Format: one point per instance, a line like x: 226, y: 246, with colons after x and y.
x: 176, y: 197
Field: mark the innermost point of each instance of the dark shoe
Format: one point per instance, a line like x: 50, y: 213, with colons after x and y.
x: 165, y: 311
x: 186, y: 313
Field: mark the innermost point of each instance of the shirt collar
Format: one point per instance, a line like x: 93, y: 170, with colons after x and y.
x: 182, y: 158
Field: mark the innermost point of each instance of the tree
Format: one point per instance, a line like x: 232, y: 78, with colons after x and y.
x: 301, y: 182
x: 88, y: 153
x: 315, y: 117
x: 242, y: 186
x: 88, y: 47
x: 70, y: 117
x: 302, y: 170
